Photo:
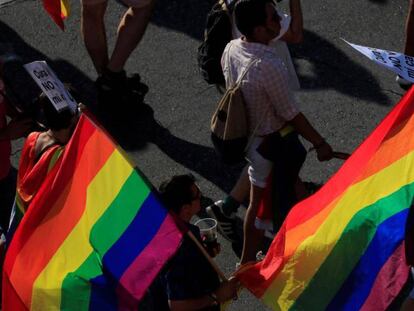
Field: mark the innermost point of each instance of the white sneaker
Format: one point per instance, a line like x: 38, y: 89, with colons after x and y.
x: 225, y: 224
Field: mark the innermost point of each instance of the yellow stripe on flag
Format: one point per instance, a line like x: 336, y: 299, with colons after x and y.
x: 64, y: 8
x: 76, y: 248
x: 288, y: 287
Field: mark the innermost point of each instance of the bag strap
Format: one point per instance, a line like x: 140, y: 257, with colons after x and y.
x: 239, y: 80
x: 230, y: 4
x: 250, y: 141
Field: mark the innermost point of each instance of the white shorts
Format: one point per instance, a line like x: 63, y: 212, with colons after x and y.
x: 259, y: 167
x: 130, y: 3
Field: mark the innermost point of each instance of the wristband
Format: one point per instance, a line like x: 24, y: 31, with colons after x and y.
x: 214, y: 298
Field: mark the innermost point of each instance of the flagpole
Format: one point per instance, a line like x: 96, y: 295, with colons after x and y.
x: 210, y: 260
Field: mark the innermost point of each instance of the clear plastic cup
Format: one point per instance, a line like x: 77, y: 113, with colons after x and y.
x: 208, y: 229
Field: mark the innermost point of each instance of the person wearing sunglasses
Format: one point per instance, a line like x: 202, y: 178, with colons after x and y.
x: 188, y: 282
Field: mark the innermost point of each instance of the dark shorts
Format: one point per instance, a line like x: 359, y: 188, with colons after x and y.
x: 288, y: 155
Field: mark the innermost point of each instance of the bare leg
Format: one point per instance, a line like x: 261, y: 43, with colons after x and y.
x: 94, y: 36
x: 252, y: 236
x: 241, y: 189
x: 131, y: 29
x: 409, y: 31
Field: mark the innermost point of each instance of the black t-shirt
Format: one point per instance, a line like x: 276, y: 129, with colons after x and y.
x: 188, y: 275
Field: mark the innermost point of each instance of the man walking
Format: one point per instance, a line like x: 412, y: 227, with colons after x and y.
x: 270, y: 105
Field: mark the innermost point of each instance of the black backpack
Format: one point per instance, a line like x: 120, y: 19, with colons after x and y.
x: 218, y: 33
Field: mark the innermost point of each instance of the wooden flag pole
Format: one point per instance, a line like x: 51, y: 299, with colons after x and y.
x: 341, y: 155
x: 210, y: 260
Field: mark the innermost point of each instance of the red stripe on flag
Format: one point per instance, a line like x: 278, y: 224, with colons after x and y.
x: 54, y: 9
x: 349, y: 172
x: 260, y: 276
x: 26, y: 239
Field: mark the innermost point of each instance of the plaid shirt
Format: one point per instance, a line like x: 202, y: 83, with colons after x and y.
x: 269, y: 100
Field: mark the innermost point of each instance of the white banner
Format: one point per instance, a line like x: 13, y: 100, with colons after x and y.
x: 50, y: 84
x: 401, y: 64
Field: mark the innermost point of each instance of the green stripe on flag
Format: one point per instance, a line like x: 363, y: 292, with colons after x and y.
x: 104, y: 234
x: 347, y: 251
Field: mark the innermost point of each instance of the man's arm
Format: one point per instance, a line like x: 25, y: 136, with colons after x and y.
x: 295, y: 31
x: 192, y: 304
x: 226, y: 291
x: 307, y: 131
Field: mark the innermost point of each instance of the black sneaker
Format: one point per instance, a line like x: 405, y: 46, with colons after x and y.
x: 226, y: 225
x: 404, y: 84
x: 118, y: 88
x: 137, y: 89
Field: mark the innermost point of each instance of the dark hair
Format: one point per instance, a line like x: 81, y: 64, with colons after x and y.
x: 249, y: 14
x: 176, y: 192
x: 55, y: 120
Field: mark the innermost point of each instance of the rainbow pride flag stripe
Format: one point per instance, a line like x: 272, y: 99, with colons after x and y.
x: 343, y: 248
x: 58, y: 10
x: 94, y: 237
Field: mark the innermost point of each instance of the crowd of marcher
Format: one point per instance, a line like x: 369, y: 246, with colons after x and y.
x: 258, y: 58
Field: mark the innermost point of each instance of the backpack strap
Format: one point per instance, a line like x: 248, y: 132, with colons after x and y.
x: 245, y: 71
x: 256, y: 128
x: 224, y: 5
x: 239, y: 80
x: 229, y: 4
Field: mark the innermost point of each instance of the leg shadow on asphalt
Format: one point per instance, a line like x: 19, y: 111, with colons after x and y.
x: 131, y: 130
x: 134, y: 131
x: 381, y: 2
x: 16, y: 52
x: 333, y: 69
x: 186, y: 16
x: 330, y: 68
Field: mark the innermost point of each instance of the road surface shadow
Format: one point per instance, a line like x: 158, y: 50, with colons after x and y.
x: 131, y: 130
x: 330, y: 68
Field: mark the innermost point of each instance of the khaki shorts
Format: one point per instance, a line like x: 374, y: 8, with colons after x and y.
x: 130, y: 3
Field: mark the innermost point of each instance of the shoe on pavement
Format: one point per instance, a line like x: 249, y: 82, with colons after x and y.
x: 260, y: 256
x: 404, y: 84
x: 225, y: 224
x: 115, y: 88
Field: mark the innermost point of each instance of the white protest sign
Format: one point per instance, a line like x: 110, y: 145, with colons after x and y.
x: 402, y: 65
x: 50, y: 84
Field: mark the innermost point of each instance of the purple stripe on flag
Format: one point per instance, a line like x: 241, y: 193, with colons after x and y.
x: 143, y: 270
x: 382, y: 293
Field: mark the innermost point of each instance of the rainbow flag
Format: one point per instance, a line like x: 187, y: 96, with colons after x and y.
x: 93, y: 238
x: 58, y: 10
x: 343, y: 248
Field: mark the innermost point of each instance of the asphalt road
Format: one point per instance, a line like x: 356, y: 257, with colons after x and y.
x: 343, y: 94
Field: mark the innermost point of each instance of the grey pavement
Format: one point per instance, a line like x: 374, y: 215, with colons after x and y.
x: 343, y: 93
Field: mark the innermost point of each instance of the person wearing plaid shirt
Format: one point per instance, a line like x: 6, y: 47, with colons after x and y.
x: 269, y: 102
